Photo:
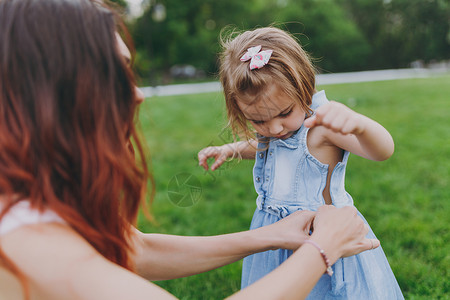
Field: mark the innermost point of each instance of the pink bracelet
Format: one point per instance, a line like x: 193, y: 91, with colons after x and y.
x: 324, y: 256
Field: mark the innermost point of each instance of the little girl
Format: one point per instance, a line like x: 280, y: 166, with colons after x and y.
x: 302, y: 144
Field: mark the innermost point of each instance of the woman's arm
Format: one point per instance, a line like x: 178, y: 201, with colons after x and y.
x: 161, y: 256
x: 352, y: 131
x: 59, y: 264
x: 242, y: 149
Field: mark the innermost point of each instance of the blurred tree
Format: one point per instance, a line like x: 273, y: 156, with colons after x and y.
x: 188, y: 35
x: 324, y: 30
x: 422, y: 27
x: 121, y: 6
x: 343, y: 35
x: 190, y: 32
x: 121, y: 3
x: 402, y: 31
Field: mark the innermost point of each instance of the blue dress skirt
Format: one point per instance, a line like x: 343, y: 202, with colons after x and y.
x: 366, y: 276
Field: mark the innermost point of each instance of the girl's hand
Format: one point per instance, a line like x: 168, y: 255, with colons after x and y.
x: 337, y: 117
x: 220, y: 154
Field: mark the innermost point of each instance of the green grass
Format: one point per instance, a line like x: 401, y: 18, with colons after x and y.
x: 405, y: 199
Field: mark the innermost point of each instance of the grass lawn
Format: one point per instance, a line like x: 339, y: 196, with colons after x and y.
x: 406, y: 199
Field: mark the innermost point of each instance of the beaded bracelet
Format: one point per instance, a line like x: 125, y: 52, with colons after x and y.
x: 324, y: 256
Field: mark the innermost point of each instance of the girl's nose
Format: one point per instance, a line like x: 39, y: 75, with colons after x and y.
x: 275, y: 128
x: 139, y: 95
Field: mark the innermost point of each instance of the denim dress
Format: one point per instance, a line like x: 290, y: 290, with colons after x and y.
x: 288, y: 178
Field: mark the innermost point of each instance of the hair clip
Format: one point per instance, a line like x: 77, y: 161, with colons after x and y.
x: 258, y: 59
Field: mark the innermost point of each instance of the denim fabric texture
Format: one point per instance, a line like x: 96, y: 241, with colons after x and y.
x: 288, y: 178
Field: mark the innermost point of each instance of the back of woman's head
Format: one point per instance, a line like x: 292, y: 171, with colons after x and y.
x: 67, y: 105
x: 289, y: 68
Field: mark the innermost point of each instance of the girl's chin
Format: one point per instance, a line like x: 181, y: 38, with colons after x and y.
x: 285, y: 136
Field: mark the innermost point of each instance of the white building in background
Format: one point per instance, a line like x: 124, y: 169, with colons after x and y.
x: 137, y: 7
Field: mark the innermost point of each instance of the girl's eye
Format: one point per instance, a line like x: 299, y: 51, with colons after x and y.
x: 258, y: 122
x: 286, y: 114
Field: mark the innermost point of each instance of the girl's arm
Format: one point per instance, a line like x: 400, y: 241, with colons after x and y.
x: 160, y: 257
x: 352, y: 131
x: 242, y: 149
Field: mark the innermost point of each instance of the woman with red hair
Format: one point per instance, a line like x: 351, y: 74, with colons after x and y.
x: 71, y: 186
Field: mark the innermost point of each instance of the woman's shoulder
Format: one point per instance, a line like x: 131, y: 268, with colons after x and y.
x: 22, y: 214
x: 61, y: 264
x: 38, y: 243
x: 28, y: 244
x: 47, y: 253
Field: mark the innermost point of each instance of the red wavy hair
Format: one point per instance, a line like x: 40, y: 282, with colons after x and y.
x: 67, y: 110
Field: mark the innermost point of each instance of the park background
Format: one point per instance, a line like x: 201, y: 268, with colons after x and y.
x: 405, y: 199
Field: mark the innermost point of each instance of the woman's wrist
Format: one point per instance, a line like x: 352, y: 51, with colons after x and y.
x: 322, y: 252
x: 327, y: 244
x: 264, y: 239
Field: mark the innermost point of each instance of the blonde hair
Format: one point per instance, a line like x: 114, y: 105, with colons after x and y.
x: 289, y: 67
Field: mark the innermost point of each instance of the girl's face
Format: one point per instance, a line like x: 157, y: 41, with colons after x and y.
x: 274, y: 115
x: 127, y: 56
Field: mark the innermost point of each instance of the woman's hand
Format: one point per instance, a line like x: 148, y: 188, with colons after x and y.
x: 341, y: 232
x: 292, y: 231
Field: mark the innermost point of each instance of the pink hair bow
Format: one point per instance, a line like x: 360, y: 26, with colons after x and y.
x: 258, y: 59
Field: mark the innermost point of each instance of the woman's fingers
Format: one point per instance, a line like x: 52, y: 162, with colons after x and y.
x: 364, y: 245
x: 374, y: 243
x: 291, y: 231
x: 342, y: 231
x: 304, y: 219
